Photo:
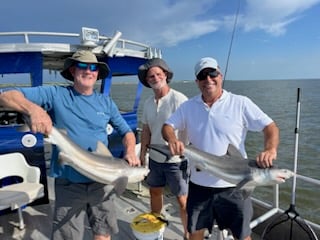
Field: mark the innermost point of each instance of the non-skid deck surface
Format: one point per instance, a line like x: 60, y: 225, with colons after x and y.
x: 38, y: 219
x: 134, y: 201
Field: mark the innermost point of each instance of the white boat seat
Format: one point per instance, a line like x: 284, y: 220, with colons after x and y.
x: 17, y: 195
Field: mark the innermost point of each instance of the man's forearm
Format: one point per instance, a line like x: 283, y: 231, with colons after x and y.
x: 15, y: 100
x: 129, y: 142
x: 271, y: 137
x: 40, y: 121
x: 168, y: 133
x: 145, y: 139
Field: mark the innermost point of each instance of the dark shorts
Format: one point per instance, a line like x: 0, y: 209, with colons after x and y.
x: 175, y: 175
x: 78, y: 203
x: 223, y: 205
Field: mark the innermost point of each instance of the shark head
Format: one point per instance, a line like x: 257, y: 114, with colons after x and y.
x: 281, y: 175
x: 271, y: 176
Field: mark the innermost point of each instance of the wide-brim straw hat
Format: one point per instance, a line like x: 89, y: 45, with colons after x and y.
x: 154, y: 62
x: 84, y: 56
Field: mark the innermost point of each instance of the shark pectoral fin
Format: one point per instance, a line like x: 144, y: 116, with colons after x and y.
x: 243, y: 182
x: 245, y: 192
x: 120, y: 185
x: 244, y: 187
x: 103, y: 150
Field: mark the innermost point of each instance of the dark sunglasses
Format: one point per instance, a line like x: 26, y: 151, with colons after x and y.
x: 84, y: 66
x: 204, y: 74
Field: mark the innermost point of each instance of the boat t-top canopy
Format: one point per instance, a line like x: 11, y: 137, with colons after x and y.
x: 63, y: 45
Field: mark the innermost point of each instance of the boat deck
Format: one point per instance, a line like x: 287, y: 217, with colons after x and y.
x: 134, y: 201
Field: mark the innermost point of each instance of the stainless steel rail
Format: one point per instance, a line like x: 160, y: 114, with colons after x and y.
x: 121, y: 46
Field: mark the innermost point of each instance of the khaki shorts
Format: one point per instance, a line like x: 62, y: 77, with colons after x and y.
x: 83, y: 210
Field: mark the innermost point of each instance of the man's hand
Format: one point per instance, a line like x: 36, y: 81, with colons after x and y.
x: 265, y: 158
x: 40, y: 120
x: 176, y: 147
x: 132, y: 159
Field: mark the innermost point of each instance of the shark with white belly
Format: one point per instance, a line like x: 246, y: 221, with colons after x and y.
x: 231, y: 167
x: 99, y: 166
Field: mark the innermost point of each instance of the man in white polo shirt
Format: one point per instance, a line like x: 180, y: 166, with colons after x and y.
x: 213, y: 120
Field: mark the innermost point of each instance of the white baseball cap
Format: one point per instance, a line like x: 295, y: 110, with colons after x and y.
x: 206, y: 62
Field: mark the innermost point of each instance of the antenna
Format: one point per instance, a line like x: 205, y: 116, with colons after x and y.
x: 231, y: 41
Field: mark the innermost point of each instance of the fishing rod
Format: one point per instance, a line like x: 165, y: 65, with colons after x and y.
x: 231, y: 41
x: 296, y: 221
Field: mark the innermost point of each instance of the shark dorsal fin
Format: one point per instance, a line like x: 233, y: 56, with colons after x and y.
x: 63, y: 131
x: 103, y: 150
x: 232, y: 151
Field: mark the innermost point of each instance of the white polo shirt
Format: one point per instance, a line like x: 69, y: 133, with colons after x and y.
x: 154, y: 115
x: 213, y: 129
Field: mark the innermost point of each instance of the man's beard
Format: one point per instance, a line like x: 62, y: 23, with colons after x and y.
x: 158, y: 85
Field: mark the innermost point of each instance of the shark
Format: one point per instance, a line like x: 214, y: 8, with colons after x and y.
x: 99, y: 166
x: 245, y: 174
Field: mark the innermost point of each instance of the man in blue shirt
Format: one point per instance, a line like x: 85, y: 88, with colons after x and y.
x: 84, y: 114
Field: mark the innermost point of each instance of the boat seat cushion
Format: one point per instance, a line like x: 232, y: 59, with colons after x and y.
x: 19, y: 194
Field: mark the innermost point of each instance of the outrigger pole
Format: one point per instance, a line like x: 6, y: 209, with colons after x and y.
x: 231, y: 41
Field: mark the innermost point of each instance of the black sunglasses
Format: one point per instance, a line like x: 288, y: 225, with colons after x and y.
x: 204, y: 74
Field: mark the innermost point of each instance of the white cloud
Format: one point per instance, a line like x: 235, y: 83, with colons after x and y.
x: 273, y: 16
x: 183, y: 31
x: 164, y: 23
x: 167, y: 23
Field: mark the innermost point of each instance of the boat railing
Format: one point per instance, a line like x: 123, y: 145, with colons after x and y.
x: 119, y: 47
x: 274, y: 207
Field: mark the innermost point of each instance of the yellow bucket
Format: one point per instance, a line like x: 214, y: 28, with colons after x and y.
x: 148, y: 226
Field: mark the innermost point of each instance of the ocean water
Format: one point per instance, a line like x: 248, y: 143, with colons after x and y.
x: 278, y: 98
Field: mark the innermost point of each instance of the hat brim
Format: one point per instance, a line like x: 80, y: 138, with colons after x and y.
x: 143, y: 69
x: 142, y: 77
x: 104, y: 70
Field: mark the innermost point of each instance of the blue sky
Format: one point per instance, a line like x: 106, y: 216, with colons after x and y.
x: 273, y: 39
